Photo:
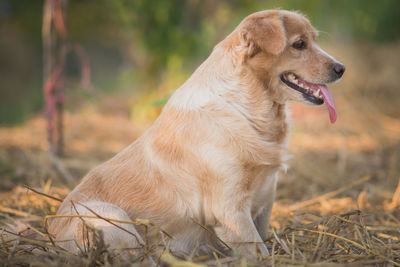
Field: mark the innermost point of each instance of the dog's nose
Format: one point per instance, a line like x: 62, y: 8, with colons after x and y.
x: 338, y: 69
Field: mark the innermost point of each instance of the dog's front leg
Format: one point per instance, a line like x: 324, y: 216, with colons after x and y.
x: 262, y: 220
x: 237, y: 229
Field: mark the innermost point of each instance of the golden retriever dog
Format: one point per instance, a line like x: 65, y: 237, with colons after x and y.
x: 211, y: 158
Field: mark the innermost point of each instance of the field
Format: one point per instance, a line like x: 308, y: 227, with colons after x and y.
x: 338, y: 204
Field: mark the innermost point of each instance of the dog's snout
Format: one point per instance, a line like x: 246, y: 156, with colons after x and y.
x: 338, y: 70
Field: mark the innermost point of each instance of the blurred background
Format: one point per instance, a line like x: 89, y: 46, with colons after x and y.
x: 130, y: 55
x: 92, y: 75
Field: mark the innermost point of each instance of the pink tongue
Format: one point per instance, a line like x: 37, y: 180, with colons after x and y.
x: 329, y: 102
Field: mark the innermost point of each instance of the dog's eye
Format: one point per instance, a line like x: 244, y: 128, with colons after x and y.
x: 299, y: 45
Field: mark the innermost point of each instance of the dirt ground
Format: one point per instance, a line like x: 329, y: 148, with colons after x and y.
x: 338, y: 204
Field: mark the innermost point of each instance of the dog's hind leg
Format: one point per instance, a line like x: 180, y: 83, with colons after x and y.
x: 75, y: 235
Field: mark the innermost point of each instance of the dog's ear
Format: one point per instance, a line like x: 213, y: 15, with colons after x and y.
x: 263, y: 34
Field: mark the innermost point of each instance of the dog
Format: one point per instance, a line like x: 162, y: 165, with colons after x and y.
x: 206, y: 171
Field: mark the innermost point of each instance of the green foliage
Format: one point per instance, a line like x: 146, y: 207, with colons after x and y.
x: 150, y: 44
x: 360, y: 20
x: 20, y: 60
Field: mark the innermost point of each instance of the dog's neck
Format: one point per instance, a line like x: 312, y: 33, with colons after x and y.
x: 253, y: 99
x: 219, y: 77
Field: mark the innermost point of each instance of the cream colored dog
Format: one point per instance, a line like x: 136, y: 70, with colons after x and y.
x: 212, y: 156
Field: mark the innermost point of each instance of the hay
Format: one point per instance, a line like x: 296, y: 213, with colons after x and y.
x: 305, y: 237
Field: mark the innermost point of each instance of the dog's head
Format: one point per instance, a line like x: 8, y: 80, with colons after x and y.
x: 280, y: 48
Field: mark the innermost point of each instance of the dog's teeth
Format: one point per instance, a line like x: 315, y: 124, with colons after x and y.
x: 306, y: 87
x: 319, y: 92
x: 316, y: 94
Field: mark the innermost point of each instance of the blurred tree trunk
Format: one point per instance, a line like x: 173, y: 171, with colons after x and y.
x: 55, y: 48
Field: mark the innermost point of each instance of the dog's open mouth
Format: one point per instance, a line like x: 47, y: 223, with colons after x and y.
x: 314, y: 93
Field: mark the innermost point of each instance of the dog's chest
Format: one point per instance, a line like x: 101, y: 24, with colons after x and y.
x: 263, y: 180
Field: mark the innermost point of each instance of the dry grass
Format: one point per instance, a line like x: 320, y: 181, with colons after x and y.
x: 304, y: 237
x: 338, y: 205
